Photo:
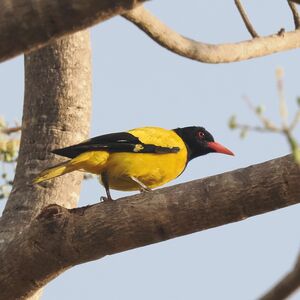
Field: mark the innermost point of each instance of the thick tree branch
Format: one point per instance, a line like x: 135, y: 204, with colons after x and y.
x: 26, y: 25
x: 60, y: 238
x: 286, y: 286
x: 209, y: 53
x: 245, y: 18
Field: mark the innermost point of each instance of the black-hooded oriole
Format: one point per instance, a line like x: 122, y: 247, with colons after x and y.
x: 139, y: 159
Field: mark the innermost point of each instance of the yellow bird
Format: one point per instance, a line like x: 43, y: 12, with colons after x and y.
x: 139, y: 159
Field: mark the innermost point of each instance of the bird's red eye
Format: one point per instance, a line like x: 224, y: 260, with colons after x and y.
x: 201, y: 135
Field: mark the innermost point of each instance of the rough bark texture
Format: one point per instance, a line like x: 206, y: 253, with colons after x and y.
x: 59, y: 238
x: 56, y: 113
x: 27, y: 24
x: 208, y: 53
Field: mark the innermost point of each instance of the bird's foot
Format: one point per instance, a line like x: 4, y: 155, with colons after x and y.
x: 142, y: 186
x: 145, y: 190
x: 105, y: 199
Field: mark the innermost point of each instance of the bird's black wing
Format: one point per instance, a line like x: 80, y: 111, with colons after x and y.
x: 114, y: 142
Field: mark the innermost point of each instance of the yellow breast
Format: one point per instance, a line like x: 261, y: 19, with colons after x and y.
x: 151, y: 169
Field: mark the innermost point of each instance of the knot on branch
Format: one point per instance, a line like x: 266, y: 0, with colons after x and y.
x: 50, y: 211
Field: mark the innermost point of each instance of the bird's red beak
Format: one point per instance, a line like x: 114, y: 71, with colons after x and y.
x: 219, y: 148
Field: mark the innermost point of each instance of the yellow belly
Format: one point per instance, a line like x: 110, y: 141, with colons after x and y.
x: 153, y: 170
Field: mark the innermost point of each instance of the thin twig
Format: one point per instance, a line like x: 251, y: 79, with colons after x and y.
x: 295, y: 121
x: 286, y: 286
x: 283, y: 110
x: 11, y: 130
x: 245, y: 18
x: 256, y: 128
x: 268, y: 124
x: 295, y: 13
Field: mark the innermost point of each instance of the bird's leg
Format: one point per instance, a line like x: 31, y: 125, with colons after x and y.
x: 104, y: 180
x: 143, y: 187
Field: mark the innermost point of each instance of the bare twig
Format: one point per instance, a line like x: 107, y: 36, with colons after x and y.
x: 286, y: 286
x: 283, y: 110
x: 295, y: 121
x: 269, y: 125
x: 285, y: 129
x: 11, y: 130
x: 245, y: 127
x: 245, y: 18
x: 295, y: 13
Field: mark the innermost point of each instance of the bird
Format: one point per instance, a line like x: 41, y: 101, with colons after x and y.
x: 139, y: 159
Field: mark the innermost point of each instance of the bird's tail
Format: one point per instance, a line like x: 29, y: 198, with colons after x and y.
x: 91, y: 161
x: 55, y: 171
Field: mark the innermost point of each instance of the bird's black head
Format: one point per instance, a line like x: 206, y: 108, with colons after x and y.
x: 200, y: 142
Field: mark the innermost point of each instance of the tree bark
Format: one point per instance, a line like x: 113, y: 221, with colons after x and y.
x: 56, y: 113
x: 59, y: 238
x: 26, y: 25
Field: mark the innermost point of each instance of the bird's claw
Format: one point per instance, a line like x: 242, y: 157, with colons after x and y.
x: 145, y: 190
x: 105, y: 199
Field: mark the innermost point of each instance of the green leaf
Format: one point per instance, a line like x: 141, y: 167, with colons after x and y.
x: 260, y: 109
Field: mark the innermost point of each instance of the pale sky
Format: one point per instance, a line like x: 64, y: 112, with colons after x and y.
x: 138, y: 83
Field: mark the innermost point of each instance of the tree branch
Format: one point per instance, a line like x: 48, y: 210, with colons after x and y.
x: 245, y: 18
x: 60, y: 238
x: 286, y: 286
x: 209, y: 53
x: 295, y: 13
x: 27, y: 25
x: 10, y: 130
x: 296, y: 1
